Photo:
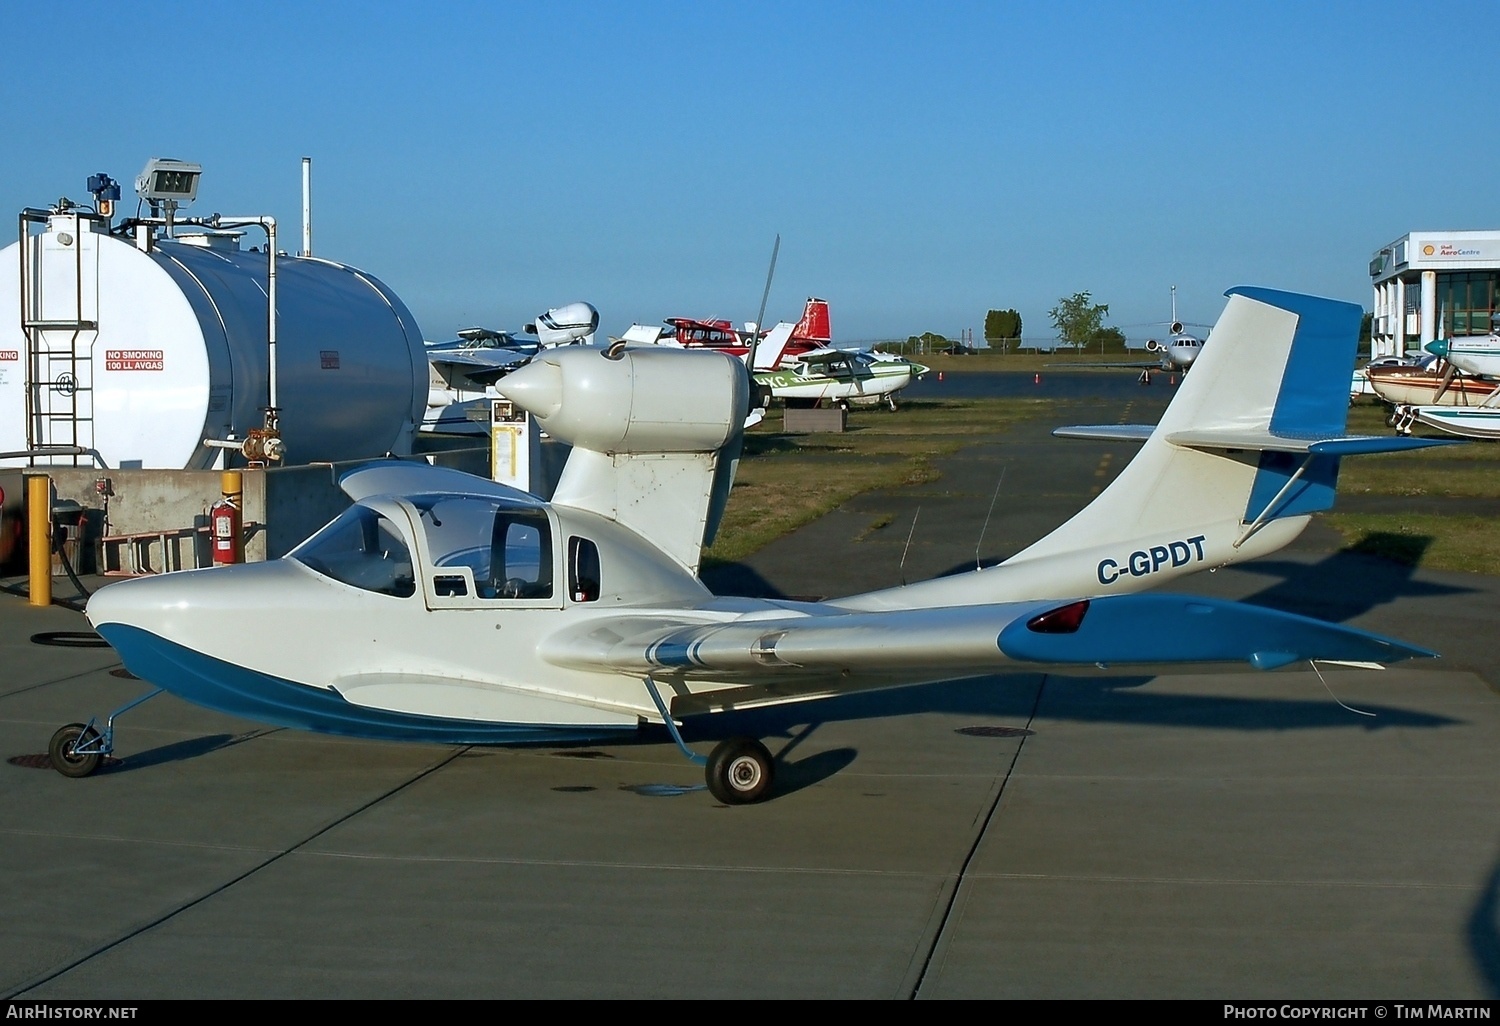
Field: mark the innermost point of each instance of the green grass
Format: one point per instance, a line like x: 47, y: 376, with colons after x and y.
x: 1437, y: 541
x: 785, y: 481
x: 1427, y: 535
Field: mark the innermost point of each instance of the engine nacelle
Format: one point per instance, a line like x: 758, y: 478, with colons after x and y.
x: 1153, y: 346
x: 563, y: 325
x: 644, y: 400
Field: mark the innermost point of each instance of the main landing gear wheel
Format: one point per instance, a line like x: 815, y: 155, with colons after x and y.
x: 64, y: 753
x: 740, y: 771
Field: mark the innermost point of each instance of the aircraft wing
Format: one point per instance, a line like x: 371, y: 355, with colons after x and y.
x: 412, y: 477
x: 931, y: 644
x: 482, y: 366
x: 1139, y: 365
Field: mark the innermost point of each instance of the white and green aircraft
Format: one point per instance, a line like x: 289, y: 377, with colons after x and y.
x: 841, y: 377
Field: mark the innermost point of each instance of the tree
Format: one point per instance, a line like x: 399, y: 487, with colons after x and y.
x: 1078, y: 319
x: 1110, y: 336
x: 928, y: 342
x: 1000, y: 325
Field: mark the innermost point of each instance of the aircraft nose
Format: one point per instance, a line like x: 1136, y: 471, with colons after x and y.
x: 170, y: 603
x: 131, y: 602
x: 536, y: 388
x: 1437, y: 347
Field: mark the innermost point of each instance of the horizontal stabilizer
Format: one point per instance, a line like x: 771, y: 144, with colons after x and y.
x: 1327, y: 445
x: 1254, y: 441
x: 1106, y: 432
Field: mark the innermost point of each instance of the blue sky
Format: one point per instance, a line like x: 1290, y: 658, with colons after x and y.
x: 922, y: 162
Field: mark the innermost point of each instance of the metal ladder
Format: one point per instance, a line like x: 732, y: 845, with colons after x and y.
x: 59, y: 337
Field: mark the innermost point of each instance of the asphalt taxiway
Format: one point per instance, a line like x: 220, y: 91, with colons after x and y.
x: 1095, y: 834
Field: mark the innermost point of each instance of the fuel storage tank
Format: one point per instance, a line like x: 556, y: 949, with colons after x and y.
x: 143, y: 347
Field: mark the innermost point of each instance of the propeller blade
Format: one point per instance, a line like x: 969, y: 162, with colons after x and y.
x: 760, y: 318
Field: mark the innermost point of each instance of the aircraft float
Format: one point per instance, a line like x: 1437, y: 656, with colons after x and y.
x: 446, y: 608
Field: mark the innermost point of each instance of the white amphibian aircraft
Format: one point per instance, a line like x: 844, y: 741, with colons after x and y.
x: 448, y: 609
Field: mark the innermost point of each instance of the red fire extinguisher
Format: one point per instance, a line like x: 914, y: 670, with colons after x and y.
x: 225, y: 520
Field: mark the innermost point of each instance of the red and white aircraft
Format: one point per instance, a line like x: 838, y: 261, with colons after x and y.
x: 775, y: 349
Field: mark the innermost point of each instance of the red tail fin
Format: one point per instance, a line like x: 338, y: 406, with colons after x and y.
x: 813, y: 327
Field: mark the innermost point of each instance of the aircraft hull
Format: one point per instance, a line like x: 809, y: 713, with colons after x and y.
x: 1470, y: 423
x: 241, y: 691
x: 1414, y: 386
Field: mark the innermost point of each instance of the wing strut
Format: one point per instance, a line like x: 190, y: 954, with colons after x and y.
x: 666, y: 717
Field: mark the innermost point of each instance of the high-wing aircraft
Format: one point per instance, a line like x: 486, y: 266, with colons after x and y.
x: 841, y: 377
x: 777, y: 348
x: 445, y: 608
x: 462, y: 372
x: 1472, y: 354
x: 797, y: 363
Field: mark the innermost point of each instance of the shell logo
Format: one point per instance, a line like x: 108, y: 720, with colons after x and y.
x: 1428, y: 250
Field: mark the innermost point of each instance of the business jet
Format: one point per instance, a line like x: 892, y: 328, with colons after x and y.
x: 446, y: 608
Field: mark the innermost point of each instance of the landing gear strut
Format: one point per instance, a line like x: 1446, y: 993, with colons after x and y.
x: 739, y: 770
x: 78, y: 749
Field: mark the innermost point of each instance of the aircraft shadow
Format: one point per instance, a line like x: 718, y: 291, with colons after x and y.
x: 1013, y: 698
x: 177, y: 751
x: 1346, y: 584
x: 738, y: 579
x: 1484, y: 932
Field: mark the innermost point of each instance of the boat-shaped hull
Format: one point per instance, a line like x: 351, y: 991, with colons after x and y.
x: 1419, y: 386
x: 1481, y: 422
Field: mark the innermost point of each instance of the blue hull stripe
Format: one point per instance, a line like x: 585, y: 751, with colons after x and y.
x: 225, y: 687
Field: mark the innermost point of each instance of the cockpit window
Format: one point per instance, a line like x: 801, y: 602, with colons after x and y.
x: 507, y: 547
x: 363, y: 550
x: 583, y: 569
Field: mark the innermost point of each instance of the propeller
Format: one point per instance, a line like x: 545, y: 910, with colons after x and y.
x: 760, y: 318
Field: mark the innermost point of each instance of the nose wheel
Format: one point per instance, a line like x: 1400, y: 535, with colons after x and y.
x: 740, y: 771
x: 76, y: 750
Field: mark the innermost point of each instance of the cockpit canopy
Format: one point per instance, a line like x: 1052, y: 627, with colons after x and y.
x: 505, y: 546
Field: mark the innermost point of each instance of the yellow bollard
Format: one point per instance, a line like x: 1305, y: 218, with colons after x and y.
x: 39, y: 531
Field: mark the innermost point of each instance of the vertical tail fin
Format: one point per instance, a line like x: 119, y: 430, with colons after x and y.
x: 814, y: 325
x: 1247, y: 449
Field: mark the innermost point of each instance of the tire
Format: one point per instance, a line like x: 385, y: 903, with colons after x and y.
x: 67, y: 761
x: 740, y: 771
